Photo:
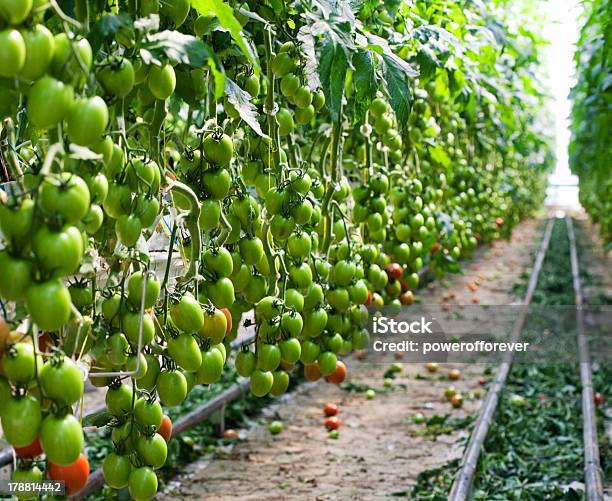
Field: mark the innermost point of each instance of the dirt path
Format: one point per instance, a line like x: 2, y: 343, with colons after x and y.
x: 379, y: 451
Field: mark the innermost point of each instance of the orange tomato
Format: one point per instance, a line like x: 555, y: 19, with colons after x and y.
x: 228, y: 316
x: 338, y: 375
x: 74, y: 476
x: 165, y: 430
x: 312, y: 372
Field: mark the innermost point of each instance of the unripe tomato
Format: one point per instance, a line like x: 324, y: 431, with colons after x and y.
x: 18, y: 363
x: 162, y: 81
x: 61, y: 438
x: 15, y: 11
x: 304, y: 115
x: 87, y: 120
x: 280, y: 383
x: 289, y: 85
x: 12, y: 52
x: 61, y: 380
x: 185, y: 351
x: 39, y: 45
x: 218, y: 149
x: 65, y: 65
x: 142, y: 483
x: 49, y: 101
x: 49, y: 304
x: 284, y: 119
x: 302, y: 97
x: 171, y: 387
x: 119, y: 400
x: 58, y: 252
x: 282, y: 64
x: 152, y: 289
x: 152, y: 450
x: 245, y: 363
x: 116, y: 470
x: 261, y: 382
x: 15, y: 278
x: 128, y: 229
x: 327, y: 362
x: 25, y: 474
x: 117, y: 77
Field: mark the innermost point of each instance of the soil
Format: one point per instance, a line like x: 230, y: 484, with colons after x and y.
x: 379, y: 451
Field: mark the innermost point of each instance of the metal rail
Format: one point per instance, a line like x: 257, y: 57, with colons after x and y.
x: 462, y: 485
x: 592, y: 469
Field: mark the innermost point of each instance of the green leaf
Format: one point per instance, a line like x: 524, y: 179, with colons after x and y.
x: 225, y: 15
x: 106, y: 27
x: 242, y: 102
x: 396, y: 75
x: 333, y: 66
x: 98, y: 419
x: 364, y: 79
x: 184, y: 49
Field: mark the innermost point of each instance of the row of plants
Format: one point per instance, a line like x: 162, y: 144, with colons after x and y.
x: 591, y: 117
x: 534, y: 447
x: 307, y: 159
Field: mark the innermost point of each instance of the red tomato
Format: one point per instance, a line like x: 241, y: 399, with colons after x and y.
x: 435, y: 248
x: 332, y: 423
x: 598, y: 398
x: 30, y: 451
x: 338, y: 375
x: 394, y: 271
x: 75, y: 475
x: 330, y: 410
x: 312, y: 372
x: 499, y: 222
x: 368, y: 301
x: 165, y: 430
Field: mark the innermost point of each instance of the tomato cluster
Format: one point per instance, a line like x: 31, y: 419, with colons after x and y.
x: 282, y: 160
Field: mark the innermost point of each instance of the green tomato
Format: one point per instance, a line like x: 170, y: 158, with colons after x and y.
x: 162, y: 81
x: 87, y: 120
x: 15, y: 11
x: 21, y: 420
x: 61, y: 438
x: 15, y: 278
x: 12, y: 52
x: 39, y: 45
x: 49, y: 304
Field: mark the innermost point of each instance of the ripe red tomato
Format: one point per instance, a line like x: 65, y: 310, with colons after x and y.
x: 74, y: 475
x: 332, y: 423
x: 338, y: 375
x: 368, y: 301
x: 394, y: 271
x: 598, y: 398
x: 312, y: 372
x: 165, y: 430
x: 499, y: 222
x: 30, y: 451
x: 330, y: 409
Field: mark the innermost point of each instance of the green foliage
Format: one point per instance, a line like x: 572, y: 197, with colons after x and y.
x: 591, y: 147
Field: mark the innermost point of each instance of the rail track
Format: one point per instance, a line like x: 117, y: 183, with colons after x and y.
x: 593, y: 477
